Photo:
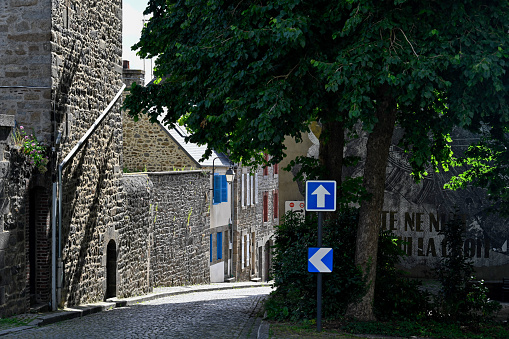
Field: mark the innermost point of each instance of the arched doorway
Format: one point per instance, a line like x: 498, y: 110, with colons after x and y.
x: 266, y: 271
x: 111, y: 270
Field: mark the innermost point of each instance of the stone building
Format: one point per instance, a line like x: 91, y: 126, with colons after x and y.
x: 61, y: 67
x: 74, y: 228
x: 240, y: 228
x: 256, y: 213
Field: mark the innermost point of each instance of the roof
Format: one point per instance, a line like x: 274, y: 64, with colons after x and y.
x: 194, y: 151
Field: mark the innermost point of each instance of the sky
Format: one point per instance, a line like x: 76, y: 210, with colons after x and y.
x: 132, y: 12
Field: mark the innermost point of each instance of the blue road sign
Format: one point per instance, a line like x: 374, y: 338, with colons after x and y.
x: 320, y: 259
x: 320, y: 195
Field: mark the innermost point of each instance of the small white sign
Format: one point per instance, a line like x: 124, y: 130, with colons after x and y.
x: 295, y: 206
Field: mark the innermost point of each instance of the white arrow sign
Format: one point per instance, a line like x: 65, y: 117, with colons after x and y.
x: 320, y: 193
x: 316, y: 260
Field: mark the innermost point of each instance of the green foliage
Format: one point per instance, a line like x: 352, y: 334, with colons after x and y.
x: 31, y: 147
x: 295, y: 294
x: 461, y: 299
x: 247, y: 74
x: 487, y: 166
x: 396, y: 297
x: 351, y: 189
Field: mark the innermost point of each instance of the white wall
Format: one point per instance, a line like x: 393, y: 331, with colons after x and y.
x: 221, y: 213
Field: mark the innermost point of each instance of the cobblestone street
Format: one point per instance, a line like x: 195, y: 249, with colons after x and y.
x: 215, y: 314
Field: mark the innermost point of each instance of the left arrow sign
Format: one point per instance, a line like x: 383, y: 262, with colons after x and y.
x: 320, y: 260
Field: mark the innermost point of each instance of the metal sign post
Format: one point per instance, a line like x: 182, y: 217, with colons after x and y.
x: 319, y: 279
x: 320, y: 197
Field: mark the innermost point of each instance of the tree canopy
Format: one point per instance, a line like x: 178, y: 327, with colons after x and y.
x: 245, y: 74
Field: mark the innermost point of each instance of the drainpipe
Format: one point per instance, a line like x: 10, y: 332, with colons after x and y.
x: 57, y: 201
x: 53, y: 249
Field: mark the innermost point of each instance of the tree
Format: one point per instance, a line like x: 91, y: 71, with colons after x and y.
x: 245, y: 74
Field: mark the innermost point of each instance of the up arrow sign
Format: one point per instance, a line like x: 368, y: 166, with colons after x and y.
x: 320, y: 195
x: 320, y: 260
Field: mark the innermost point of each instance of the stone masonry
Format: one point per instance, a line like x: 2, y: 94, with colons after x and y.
x: 252, y: 234
x: 61, y: 66
x: 164, y: 235
x: 86, y: 72
x: 16, y: 173
x: 180, y: 248
x: 148, y: 147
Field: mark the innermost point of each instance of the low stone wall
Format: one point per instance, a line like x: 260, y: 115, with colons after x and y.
x: 134, y: 235
x: 180, y: 250
x: 164, y: 237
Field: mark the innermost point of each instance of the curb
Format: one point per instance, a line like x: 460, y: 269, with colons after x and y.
x: 109, y: 304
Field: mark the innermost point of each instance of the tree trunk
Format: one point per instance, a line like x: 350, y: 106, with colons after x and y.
x: 332, y: 141
x: 377, y: 152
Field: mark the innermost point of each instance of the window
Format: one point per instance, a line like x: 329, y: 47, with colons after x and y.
x: 276, y: 169
x: 265, y: 206
x: 219, y: 245
x: 248, y: 250
x: 248, y: 184
x: 220, y: 189
x: 275, y: 204
x: 243, y: 252
x: 243, y: 201
x: 256, y: 188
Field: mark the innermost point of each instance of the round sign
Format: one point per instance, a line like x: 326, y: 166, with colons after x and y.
x: 301, y: 205
x: 292, y: 204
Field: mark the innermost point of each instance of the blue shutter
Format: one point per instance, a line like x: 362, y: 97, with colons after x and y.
x: 211, y: 248
x: 224, y: 189
x: 219, y: 245
x: 217, y: 189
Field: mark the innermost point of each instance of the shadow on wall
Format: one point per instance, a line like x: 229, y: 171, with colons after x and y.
x: 13, y: 232
x: 61, y: 97
x: 73, y: 289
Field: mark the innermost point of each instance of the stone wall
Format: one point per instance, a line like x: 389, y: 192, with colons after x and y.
x: 86, y: 73
x: 25, y: 100
x: 164, y: 238
x: 148, y: 147
x: 25, y: 71
x: 14, y: 218
x: 252, y: 236
x: 180, y: 251
x: 135, y: 237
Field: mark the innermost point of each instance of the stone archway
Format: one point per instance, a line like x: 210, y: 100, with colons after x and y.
x: 111, y: 270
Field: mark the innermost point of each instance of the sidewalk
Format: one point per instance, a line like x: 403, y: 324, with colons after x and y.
x: 25, y: 321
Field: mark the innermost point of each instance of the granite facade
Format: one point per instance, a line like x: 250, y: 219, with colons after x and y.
x: 256, y: 214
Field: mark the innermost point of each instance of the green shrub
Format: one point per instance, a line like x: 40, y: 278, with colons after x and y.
x: 461, y: 298
x: 295, y: 296
x: 396, y: 296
